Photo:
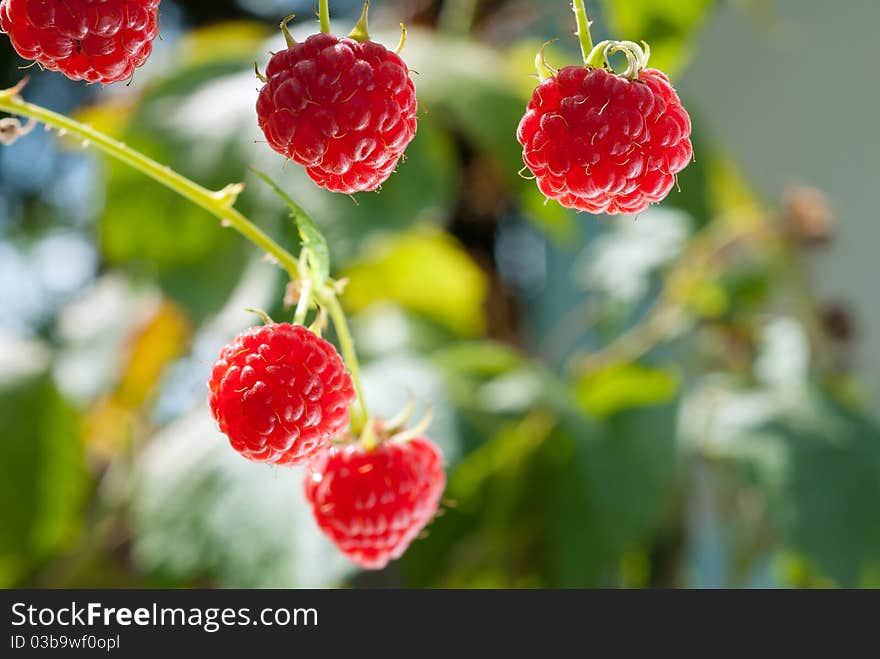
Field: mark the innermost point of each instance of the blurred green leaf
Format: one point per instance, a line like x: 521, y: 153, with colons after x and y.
x: 424, y: 271
x: 821, y: 470
x: 667, y: 25
x: 614, y: 484
x: 152, y: 229
x: 478, y: 358
x: 624, y: 386
x: 43, y: 477
x: 229, y: 40
x: 474, y: 87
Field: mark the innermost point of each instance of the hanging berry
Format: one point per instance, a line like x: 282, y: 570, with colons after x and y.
x: 604, y: 142
x: 280, y: 393
x: 343, y: 108
x: 373, y: 497
x: 93, y: 40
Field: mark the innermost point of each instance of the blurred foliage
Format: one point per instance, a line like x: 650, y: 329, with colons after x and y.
x: 648, y: 402
x: 44, y: 479
x: 426, y: 273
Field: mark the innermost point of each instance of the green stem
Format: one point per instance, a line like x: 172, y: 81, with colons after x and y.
x: 583, y: 25
x: 324, y: 15
x: 458, y: 16
x: 328, y: 299
x: 302, y: 305
x: 219, y: 203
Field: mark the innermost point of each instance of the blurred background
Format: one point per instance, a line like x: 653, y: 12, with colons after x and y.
x: 683, y: 399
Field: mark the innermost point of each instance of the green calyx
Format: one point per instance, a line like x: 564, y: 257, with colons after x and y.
x: 361, y: 31
x: 597, y: 56
x: 637, y: 56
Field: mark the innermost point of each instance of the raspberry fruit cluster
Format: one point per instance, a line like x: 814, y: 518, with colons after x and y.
x: 345, y: 110
x: 281, y: 394
x: 93, y: 40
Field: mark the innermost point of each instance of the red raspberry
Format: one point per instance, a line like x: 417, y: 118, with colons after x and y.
x: 93, y: 40
x: 280, y: 393
x: 372, y: 503
x: 600, y: 143
x: 344, y: 110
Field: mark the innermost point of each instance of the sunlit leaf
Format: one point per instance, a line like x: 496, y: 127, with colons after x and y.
x: 624, y: 386
x: 667, y: 25
x: 478, y: 358
x: 43, y: 478
x: 235, y: 40
x: 424, y: 271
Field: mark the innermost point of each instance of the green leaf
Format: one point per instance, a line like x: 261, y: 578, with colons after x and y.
x: 624, y: 386
x: 313, y: 242
x: 43, y: 478
x: 667, y: 25
x: 424, y: 271
x: 821, y: 471
x: 612, y: 489
x: 476, y: 90
x: 478, y: 358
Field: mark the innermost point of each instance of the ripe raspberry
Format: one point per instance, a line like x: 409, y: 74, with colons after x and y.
x: 344, y: 110
x: 93, y: 40
x: 280, y: 393
x: 372, y: 503
x: 601, y: 143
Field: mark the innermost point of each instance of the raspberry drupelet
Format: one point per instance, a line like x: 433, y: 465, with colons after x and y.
x: 372, y: 502
x: 93, y: 40
x: 343, y: 109
x: 280, y: 393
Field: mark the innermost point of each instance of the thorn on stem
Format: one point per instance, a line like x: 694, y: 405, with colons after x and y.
x: 13, y: 92
x: 229, y: 195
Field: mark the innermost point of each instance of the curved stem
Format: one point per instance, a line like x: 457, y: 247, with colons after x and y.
x: 583, y: 25
x: 218, y: 203
x: 330, y: 302
x: 324, y: 15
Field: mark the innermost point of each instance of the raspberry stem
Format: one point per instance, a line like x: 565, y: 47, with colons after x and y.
x: 219, y: 203
x: 583, y: 25
x: 327, y: 298
x: 305, y: 299
x: 324, y: 15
